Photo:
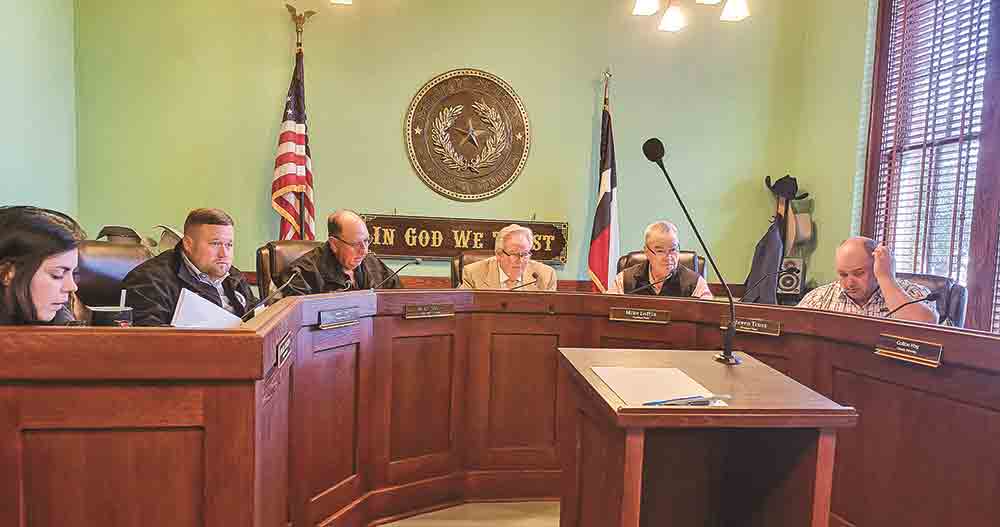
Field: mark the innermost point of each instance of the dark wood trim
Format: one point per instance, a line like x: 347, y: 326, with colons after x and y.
x: 986, y: 205
x: 875, y: 114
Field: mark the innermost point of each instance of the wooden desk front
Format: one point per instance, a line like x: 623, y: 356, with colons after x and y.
x: 390, y: 416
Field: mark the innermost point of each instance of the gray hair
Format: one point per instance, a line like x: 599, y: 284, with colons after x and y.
x: 659, y: 227
x: 509, y: 231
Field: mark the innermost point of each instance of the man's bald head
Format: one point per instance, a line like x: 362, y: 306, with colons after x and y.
x: 856, y: 267
x: 341, y: 220
x: 349, y: 238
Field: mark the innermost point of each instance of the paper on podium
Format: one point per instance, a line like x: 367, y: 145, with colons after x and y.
x: 193, y: 311
x: 636, y: 386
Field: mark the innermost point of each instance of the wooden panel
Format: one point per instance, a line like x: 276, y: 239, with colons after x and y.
x: 417, y: 411
x: 513, y: 402
x: 917, y: 457
x: 326, y: 430
x: 80, y: 477
x: 614, y: 334
x: 271, y: 483
x: 90, y: 406
x: 421, y: 396
x: 229, y: 454
x: 522, y: 407
x: 600, y: 467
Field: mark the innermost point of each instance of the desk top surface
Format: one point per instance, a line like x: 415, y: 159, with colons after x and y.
x: 761, y: 396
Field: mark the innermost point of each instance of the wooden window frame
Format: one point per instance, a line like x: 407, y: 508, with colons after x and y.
x: 983, y: 244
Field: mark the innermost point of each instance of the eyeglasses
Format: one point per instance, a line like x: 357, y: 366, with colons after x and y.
x: 519, y: 256
x: 674, y: 251
x: 359, y: 245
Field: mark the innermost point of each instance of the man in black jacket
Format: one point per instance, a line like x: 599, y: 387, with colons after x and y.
x: 202, y: 262
x: 341, y: 264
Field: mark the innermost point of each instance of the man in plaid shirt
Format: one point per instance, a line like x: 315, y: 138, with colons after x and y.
x: 868, y: 286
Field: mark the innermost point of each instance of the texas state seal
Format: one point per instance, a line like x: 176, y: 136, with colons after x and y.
x: 467, y: 134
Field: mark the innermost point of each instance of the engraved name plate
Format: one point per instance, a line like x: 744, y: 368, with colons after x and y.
x: 428, y: 310
x: 909, y: 350
x: 647, y: 316
x: 759, y: 326
x: 338, y: 318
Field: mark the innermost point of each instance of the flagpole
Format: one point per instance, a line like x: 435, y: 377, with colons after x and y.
x: 607, y: 80
x: 300, y: 21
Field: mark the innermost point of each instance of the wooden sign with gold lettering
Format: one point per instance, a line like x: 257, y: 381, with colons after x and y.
x: 443, y: 238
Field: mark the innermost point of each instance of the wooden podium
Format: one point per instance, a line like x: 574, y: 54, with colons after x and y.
x: 766, y: 459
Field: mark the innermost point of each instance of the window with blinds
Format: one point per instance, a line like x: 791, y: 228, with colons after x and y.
x: 931, y: 120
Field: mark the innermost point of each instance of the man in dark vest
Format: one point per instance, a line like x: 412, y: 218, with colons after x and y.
x: 661, y: 274
x: 202, y: 262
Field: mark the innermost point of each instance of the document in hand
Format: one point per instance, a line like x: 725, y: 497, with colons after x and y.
x: 644, y: 386
x: 193, y: 311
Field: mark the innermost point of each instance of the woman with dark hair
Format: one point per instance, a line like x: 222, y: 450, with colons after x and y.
x: 38, y: 255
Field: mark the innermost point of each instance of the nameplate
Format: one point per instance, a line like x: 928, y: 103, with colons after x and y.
x: 338, y: 318
x: 909, y: 350
x: 428, y: 310
x: 647, y: 316
x: 283, y: 349
x: 758, y: 326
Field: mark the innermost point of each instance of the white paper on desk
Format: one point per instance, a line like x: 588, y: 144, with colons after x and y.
x: 641, y: 385
x: 193, y: 311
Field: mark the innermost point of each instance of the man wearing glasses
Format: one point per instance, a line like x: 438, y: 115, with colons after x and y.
x: 511, y: 267
x: 661, y: 274
x: 343, y: 263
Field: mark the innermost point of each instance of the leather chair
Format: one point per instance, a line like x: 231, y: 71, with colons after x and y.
x: 688, y: 259
x: 952, y: 300
x: 460, y: 260
x: 103, y: 266
x: 274, y: 257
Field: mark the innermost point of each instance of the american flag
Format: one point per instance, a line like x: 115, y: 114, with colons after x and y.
x: 292, y: 186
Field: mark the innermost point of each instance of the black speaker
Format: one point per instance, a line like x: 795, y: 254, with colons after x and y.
x: 791, y: 283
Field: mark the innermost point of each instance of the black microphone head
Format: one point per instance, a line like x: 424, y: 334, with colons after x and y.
x: 534, y: 276
x: 653, y: 149
x: 932, y: 297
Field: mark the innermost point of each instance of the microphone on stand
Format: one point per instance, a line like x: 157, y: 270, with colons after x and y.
x: 416, y: 261
x: 653, y: 150
x: 647, y: 286
x: 249, y: 313
x: 534, y: 276
x: 789, y: 270
x: 931, y: 297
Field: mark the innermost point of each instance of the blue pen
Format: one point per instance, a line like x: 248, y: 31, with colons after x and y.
x: 676, y: 401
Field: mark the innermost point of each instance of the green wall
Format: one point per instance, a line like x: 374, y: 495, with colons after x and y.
x: 179, y: 104
x: 38, y: 136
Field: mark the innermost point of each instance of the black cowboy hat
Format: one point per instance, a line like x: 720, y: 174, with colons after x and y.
x: 786, y: 187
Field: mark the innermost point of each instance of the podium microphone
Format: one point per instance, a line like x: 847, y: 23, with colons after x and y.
x: 789, y: 270
x: 534, y: 276
x: 246, y: 316
x: 931, y: 297
x: 653, y: 150
x: 416, y: 261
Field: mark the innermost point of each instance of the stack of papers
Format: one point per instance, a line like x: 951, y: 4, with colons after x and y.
x: 193, y: 311
x: 654, y: 386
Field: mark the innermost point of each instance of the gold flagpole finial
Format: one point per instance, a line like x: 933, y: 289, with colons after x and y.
x: 607, y: 80
x: 300, y: 20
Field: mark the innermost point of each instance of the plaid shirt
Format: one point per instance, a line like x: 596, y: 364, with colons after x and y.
x: 831, y: 297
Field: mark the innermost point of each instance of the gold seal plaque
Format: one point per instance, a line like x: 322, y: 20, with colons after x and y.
x: 467, y: 134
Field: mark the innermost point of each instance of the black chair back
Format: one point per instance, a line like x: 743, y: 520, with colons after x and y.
x: 952, y: 298
x: 103, y: 266
x: 274, y: 257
